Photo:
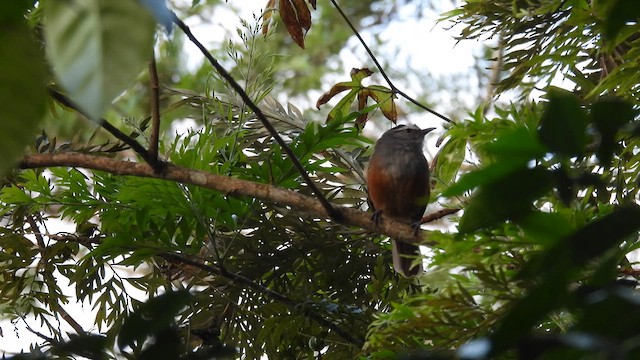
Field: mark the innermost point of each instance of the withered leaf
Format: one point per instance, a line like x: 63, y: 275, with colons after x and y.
x: 267, y: 15
x: 304, y: 15
x: 382, y: 96
x: 335, y: 89
x: 293, y: 20
x: 362, y: 103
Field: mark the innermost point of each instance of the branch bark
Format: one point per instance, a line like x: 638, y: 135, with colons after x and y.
x: 232, y: 187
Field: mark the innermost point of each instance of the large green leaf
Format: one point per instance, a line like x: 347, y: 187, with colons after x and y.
x: 22, y: 93
x: 450, y: 158
x: 153, y: 317
x: 555, y: 267
x: 506, y: 198
x: 609, y: 115
x: 563, y: 127
x: 97, y: 47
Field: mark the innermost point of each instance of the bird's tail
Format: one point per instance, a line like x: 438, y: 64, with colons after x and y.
x: 404, y: 258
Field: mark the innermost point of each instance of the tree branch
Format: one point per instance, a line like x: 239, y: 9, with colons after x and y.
x: 135, y: 146
x: 57, y: 307
x: 335, y: 215
x: 219, y: 270
x: 154, y: 84
x: 438, y: 215
x: 235, y: 277
x: 232, y: 187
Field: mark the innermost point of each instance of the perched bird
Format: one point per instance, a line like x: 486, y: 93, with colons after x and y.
x: 398, y: 186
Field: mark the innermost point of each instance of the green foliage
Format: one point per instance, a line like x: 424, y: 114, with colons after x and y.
x: 550, y: 212
x: 539, y: 264
x: 589, y: 42
x: 23, y: 92
x: 82, y: 40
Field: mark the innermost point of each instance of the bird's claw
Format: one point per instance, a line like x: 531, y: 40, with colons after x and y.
x: 415, y: 225
x: 376, y: 217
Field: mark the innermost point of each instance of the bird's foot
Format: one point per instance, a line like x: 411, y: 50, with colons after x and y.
x: 415, y: 225
x: 376, y: 217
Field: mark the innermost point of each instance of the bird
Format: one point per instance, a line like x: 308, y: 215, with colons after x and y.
x: 399, y: 187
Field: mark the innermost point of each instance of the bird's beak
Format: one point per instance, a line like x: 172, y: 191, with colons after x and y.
x: 427, y: 130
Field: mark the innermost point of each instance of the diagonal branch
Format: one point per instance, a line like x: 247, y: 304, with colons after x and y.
x: 55, y: 307
x: 232, y: 187
x: 333, y: 214
x: 218, y: 270
x: 135, y: 146
x: 384, y: 74
x: 199, y: 264
x: 438, y: 215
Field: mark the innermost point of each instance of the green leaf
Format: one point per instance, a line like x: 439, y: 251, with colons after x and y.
x: 23, y: 92
x: 14, y: 11
x: 519, y: 144
x: 617, y: 305
x: 556, y: 265
x: 97, y: 48
x: 91, y: 346
x: 450, y: 158
x: 564, y: 123
x: 620, y: 13
x: 507, y: 198
x: 587, y: 243
x: 514, y: 148
x: 546, y: 228
x: 152, y: 318
x: 483, y: 176
x: 609, y: 116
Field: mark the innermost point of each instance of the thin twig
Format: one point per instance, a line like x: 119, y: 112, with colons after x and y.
x: 55, y: 306
x: 220, y: 270
x: 384, y: 74
x: 438, y: 215
x: 260, y: 115
x: 156, y: 164
x: 36, y: 231
x: 155, y: 108
x: 39, y: 334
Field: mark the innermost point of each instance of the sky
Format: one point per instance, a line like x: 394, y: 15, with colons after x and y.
x: 429, y: 47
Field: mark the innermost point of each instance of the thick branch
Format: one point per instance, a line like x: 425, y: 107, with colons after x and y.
x: 232, y: 187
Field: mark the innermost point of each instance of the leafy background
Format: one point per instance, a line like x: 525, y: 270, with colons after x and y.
x: 539, y: 264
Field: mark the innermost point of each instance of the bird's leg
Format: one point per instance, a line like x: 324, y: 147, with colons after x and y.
x: 415, y: 225
x: 376, y: 217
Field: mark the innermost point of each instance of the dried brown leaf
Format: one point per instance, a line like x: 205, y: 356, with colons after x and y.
x: 304, y: 14
x: 336, y: 89
x: 266, y: 16
x: 362, y: 103
x: 291, y: 22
